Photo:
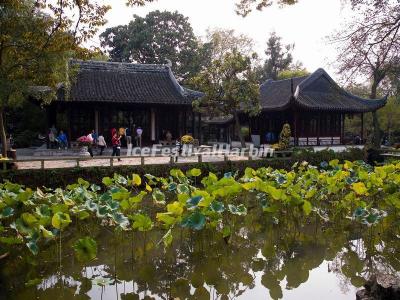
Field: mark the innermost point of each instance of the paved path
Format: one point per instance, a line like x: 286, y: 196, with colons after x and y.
x: 54, y: 164
x: 28, y: 154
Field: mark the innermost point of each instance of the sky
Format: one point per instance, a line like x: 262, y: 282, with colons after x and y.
x: 306, y: 24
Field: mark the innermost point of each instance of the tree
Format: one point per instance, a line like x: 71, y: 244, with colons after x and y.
x: 230, y: 87
x: 224, y: 41
x: 291, y: 73
x: 156, y: 38
x: 279, y: 58
x: 369, y: 49
x: 244, y: 7
x: 36, y: 40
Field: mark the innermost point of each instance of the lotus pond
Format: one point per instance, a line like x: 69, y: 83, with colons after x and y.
x: 307, y: 233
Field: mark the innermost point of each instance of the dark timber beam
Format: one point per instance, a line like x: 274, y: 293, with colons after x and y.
x: 362, y: 128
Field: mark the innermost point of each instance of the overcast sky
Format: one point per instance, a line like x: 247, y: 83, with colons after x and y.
x: 307, y: 24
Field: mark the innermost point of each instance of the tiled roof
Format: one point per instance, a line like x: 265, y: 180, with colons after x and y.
x: 127, y: 83
x: 317, y: 91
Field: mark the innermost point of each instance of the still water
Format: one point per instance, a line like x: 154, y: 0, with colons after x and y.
x: 261, y: 260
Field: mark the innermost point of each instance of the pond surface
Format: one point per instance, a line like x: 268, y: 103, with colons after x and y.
x: 262, y: 260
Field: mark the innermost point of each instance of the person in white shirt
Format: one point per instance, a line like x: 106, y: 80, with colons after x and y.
x: 101, y: 143
x: 90, y: 147
x: 139, y: 132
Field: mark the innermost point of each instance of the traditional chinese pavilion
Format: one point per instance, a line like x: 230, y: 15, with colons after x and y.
x: 107, y: 95
x: 315, y: 107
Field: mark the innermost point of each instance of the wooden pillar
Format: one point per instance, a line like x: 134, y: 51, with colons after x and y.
x: 96, y: 121
x: 193, y: 123
x: 69, y: 129
x: 343, y: 117
x: 153, y: 125
x: 362, y: 128
x: 318, y: 127
x: 296, y: 140
x: 200, y: 133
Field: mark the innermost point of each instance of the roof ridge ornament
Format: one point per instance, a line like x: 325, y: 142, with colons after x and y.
x: 169, y: 63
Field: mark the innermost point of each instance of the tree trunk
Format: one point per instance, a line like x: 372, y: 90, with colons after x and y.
x: 238, y: 130
x: 3, y: 137
x: 376, y: 136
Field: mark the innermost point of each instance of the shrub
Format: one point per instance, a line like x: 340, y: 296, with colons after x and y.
x: 284, y: 137
x: 62, y: 177
x: 187, y: 139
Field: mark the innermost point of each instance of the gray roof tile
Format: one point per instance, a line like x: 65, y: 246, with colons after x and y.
x: 127, y: 83
x: 317, y: 91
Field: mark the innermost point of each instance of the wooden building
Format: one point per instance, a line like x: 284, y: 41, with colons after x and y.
x: 315, y: 107
x: 106, y: 95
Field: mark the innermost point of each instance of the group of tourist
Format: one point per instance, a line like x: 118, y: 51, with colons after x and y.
x: 57, y: 139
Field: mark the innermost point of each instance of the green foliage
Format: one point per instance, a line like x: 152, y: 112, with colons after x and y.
x: 154, y: 39
x: 101, y: 175
x: 292, y: 73
x: 284, y: 137
x: 362, y: 193
x: 279, y: 58
x: 85, y: 249
x: 229, y: 85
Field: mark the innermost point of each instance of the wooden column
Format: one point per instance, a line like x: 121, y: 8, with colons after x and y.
x: 296, y: 140
x: 96, y: 121
x: 153, y: 124
x: 343, y: 117
x: 362, y: 128
x: 69, y: 129
x: 193, y: 123
x: 318, y: 127
x: 200, y: 133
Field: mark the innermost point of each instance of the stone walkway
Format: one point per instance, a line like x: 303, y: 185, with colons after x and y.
x: 125, y: 161
x: 131, y: 161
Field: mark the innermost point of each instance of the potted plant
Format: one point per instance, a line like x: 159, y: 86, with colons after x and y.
x: 187, y: 142
x: 84, y: 142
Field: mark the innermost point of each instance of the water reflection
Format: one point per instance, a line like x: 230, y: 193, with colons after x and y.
x: 289, y: 260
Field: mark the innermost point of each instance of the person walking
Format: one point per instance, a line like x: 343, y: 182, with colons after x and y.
x: 101, y: 143
x: 116, y: 143
x: 139, y: 132
x: 90, y: 147
x: 128, y: 136
x: 62, y: 138
x: 52, y: 140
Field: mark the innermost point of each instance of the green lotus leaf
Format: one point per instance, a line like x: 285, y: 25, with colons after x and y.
x: 33, y: 247
x: 167, y: 238
x: 60, y: 220
x: 83, y: 182
x: 141, y: 222
x: 136, y: 180
x: 29, y: 219
x: 7, y: 212
x: 120, y: 219
x: 158, y: 196
x: 172, y: 186
x: 46, y: 233
x: 11, y: 240
x: 307, y: 207
x: 194, y: 172
x: 120, y: 179
x: 194, y: 201
x: 217, y: 206
x: 177, y: 173
x: 166, y: 218
x: 175, y: 208
x: 183, y: 189
x: 194, y: 221
x: 239, y: 210
x: 85, y: 249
